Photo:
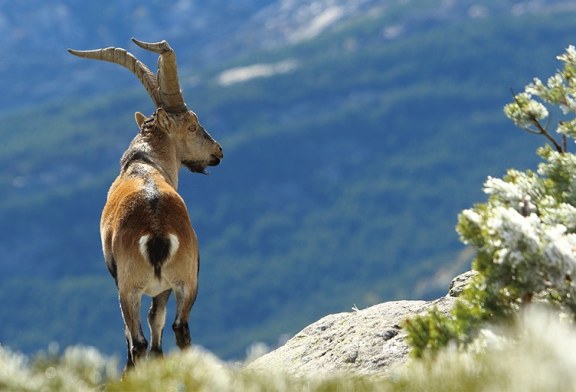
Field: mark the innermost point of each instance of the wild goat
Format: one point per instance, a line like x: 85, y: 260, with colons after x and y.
x: 148, y: 243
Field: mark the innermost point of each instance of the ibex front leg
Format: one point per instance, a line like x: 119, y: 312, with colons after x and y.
x: 130, y: 306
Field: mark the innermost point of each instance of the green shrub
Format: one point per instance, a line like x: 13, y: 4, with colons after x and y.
x: 525, y: 234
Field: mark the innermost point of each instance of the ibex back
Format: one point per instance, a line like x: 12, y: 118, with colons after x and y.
x: 148, y: 243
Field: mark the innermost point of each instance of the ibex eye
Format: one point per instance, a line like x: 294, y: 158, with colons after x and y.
x: 192, y: 128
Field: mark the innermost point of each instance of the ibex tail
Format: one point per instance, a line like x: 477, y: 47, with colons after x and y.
x: 158, y: 249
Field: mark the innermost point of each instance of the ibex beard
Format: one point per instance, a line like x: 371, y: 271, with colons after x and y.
x: 148, y: 242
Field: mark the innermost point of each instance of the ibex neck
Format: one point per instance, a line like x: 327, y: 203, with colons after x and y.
x: 143, y: 151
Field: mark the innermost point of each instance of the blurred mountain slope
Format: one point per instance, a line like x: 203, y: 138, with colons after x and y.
x: 352, y: 137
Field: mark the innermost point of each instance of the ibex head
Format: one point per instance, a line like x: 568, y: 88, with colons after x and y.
x: 191, y: 145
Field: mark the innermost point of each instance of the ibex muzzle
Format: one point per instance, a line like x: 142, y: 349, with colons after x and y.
x: 148, y: 242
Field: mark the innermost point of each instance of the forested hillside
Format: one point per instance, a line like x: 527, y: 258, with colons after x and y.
x: 348, y: 154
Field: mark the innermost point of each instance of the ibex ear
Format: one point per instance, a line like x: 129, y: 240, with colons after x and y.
x: 140, y: 118
x: 162, y: 119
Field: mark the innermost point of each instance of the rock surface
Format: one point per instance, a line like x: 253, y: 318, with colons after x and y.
x: 369, y: 341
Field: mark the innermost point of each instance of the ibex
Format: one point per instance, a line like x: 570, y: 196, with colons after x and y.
x: 148, y: 242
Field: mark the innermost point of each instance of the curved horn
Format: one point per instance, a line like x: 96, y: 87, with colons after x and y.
x: 170, y: 94
x: 126, y: 59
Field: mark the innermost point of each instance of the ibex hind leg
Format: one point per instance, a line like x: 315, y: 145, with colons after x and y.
x: 129, y: 361
x: 156, y: 321
x: 135, y: 340
x: 185, y: 298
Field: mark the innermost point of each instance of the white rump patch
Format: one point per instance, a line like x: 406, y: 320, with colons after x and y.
x: 174, y: 244
x: 143, y: 245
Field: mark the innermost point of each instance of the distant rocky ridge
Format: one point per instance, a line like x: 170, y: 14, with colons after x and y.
x: 202, y: 32
x: 367, y: 342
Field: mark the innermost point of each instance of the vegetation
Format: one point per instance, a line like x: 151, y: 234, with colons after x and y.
x: 525, y: 234
x: 533, y: 354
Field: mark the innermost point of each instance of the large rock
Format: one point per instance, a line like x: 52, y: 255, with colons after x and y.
x: 369, y: 341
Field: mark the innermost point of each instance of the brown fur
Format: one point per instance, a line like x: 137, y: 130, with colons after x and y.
x: 143, y: 209
x: 128, y: 216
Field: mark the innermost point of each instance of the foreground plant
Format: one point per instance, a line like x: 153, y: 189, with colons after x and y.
x: 497, y: 361
x: 525, y: 234
x: 76, y: 369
